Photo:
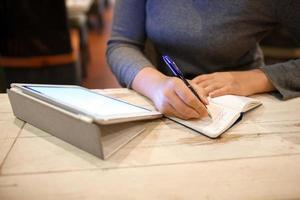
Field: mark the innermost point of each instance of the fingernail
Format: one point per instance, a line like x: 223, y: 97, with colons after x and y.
x: 208, y: 100
x: 205, y: 99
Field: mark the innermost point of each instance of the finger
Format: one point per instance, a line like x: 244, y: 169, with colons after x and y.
x: 201, y: 78
x: 168, y: 110
x: 201, y: 92
x: 184, y: 110
x: 219, y: 92
x: 212, y: 87
x: 206, y: 83
x: 204, y: 100
x: 186, y: 95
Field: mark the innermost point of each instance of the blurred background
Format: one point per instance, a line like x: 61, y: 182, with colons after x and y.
x: 64, y: 42
x: 55, y: 42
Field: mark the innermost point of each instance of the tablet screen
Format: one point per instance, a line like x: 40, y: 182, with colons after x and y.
x: 87, y: 101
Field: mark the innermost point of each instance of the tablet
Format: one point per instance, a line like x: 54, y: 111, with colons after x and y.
x: 84, y: 102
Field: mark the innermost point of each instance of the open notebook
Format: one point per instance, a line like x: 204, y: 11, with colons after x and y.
x: 225, y: 111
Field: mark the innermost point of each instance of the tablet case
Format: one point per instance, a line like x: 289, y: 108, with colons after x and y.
x: 99, y: 140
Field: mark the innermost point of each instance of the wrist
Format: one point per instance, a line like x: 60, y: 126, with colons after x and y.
x: 147, y: 81
x: 260, y: 81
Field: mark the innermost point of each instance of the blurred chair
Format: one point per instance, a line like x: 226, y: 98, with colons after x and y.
x: 79, y: 23
x: 36, y: 45
x: 86, y: 15
x: 78, y: 18
x: 96, y: 14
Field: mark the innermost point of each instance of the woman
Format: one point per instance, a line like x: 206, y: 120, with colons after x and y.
x: 215, y: 43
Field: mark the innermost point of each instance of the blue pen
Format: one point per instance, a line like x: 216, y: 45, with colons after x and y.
x: 176, y: 71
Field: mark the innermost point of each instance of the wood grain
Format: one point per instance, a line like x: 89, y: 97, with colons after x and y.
x: 258, y: 158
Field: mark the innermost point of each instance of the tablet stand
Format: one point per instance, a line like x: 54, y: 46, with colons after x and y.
x: 99, y: 140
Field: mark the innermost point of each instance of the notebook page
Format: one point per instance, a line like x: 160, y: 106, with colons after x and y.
x: 239, y: 103
x: 222, y: 119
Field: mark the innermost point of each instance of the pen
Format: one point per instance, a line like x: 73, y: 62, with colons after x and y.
x: 176, y: 71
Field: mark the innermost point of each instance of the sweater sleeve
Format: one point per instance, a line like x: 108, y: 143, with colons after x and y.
x: 286, y: 76
x: 125, y: 47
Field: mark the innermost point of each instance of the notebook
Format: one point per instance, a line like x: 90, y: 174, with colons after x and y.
x: 225, y: 111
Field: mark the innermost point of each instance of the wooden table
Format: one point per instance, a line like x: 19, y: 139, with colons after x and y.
x: 258, y: 158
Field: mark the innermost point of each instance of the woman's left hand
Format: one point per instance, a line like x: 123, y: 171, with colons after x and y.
x: 242, y: 83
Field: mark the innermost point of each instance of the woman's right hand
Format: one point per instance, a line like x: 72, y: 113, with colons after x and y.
x: 170, y: 95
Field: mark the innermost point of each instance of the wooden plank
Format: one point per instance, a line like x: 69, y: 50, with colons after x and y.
x: 257, y: 159
x: 153, y: 147
x: 10, y: 128
x: 164, y: 142
x: 257, y: 178
x: 6, y: 116
x: 47, y: 154
x: 4, y: 104
x: 5, y: 108
x: 276, y: 111
x: 5, y: 146
x: 32, y: 131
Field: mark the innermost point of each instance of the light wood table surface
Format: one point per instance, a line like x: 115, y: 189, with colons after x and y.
x: 258, y: 158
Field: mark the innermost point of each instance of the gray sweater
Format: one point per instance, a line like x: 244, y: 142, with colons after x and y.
x: 203, y: 36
